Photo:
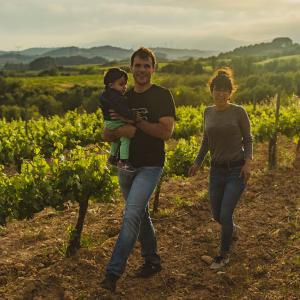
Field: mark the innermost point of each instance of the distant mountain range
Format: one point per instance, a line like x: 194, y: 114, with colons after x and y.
x: 279, y: 46
x: 107, y: 52
x: 34, y: 51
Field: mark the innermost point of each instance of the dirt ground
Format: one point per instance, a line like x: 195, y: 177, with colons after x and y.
x: 265, y: 261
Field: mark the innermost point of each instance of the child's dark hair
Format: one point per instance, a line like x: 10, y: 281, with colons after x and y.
x: 114, y: 74
x: 222, y: 80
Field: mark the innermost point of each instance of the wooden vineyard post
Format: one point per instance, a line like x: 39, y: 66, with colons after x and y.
x: 26, y: 114
x: 26, y: 120
x: 254, y: 104
x: 273, y: 139
x: 26, y: 98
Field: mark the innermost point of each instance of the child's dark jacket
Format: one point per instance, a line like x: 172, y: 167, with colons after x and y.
x: 112, y: 100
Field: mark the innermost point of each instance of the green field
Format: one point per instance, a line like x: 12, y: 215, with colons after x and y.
x: 281, y: 58
x: 60, y: 82
x: 65, y: 82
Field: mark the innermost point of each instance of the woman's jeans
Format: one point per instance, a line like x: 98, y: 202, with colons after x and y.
x: 225, y: 189
x: 137, y: 188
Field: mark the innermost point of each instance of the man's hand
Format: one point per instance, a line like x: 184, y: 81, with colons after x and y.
x: 193, y: 170
x: 162, y: 130
x: 116, y: 116
x: 246, y: 171
x: 123, y: 131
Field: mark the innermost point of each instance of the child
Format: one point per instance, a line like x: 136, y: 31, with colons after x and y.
x: 115, y: 81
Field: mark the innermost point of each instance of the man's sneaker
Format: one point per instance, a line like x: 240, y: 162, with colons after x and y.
x: 124, y: 165
x: 148, y: 269
x: 219, y: 262
x: 109, y: 282
x: 112, y: 160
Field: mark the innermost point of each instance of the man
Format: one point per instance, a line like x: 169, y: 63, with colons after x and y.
x: 156, y: 107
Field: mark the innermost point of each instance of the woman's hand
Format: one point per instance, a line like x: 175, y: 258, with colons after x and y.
x: 246, y: 171
x: 116, y: 116
x: 193, y: 170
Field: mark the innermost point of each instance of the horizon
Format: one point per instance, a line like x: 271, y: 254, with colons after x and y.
x: 97, y: 46
x: 154, y: 46
x: 216, y: 26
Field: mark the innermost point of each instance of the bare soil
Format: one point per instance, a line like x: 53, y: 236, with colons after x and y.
x: 265, y: 261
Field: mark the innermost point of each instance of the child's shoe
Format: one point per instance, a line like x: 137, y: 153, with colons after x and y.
x: 112, y: 160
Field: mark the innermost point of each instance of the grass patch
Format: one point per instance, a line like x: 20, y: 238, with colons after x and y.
x: 3, y: 230
x: 86, y: 240
x: 202, y: 195
x: 33, y: 237
x: 180, y: 201
x: 296, y: 261
x: 165, y: 212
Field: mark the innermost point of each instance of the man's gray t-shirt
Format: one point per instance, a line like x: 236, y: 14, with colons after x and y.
x: 226, y: 135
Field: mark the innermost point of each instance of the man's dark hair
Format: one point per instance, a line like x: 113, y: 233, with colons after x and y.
x: 114, y: 74
x: 144, y: 53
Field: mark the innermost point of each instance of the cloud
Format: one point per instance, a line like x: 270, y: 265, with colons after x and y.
x: 156, y: 22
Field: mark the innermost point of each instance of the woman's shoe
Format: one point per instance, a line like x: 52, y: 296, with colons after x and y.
x: 219, y: 262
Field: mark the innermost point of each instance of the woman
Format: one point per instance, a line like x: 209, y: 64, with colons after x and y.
x: 228, y: 138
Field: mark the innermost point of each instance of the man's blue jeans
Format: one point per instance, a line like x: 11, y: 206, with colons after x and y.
x: 225, y: 189
x: 137, y: 188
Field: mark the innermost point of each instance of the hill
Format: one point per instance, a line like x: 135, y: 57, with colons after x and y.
x: 14, y: 58
x: 295, y: 57
x: 35, y: 51
x: 278, y: 47
x: 175, y: 54
x: 109, y: 53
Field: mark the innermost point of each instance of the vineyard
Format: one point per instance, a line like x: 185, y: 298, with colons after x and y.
x: 60, y: 163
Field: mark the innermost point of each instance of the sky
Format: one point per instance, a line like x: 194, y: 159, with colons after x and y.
x: 204, y: 25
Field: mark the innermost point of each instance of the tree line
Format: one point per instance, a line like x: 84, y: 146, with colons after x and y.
x: 258, y: 81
